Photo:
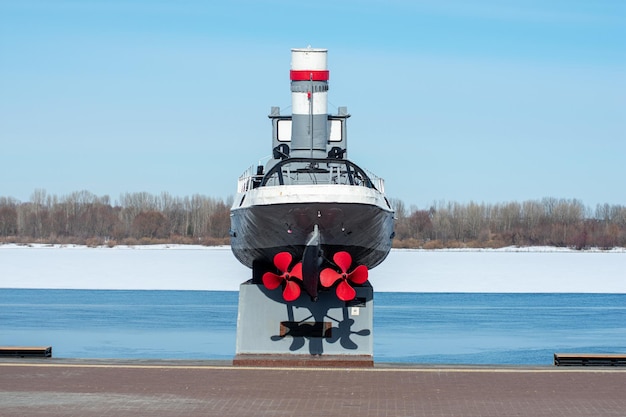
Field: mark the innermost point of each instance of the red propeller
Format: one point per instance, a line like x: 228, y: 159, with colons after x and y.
x: 272, y: 281
x: 329, y: 276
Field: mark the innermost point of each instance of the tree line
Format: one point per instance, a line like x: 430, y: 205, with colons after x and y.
x: 545, y: 222
x: 143, y: 218
x: 136, y: 218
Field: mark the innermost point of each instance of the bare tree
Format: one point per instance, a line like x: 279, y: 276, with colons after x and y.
x: 149, y: 224
x: 8, y: 217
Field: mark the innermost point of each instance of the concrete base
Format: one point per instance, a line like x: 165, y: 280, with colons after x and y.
x: 305, y: 361
x: 271, y: 331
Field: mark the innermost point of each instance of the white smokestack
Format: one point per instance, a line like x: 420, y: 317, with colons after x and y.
x: 309, y: 100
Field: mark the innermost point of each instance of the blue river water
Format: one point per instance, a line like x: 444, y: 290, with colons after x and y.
x: 432, y: 328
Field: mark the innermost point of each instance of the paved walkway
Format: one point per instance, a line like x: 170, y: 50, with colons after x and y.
x: 57, y: 387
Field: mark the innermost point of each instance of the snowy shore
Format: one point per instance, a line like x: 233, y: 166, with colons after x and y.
x: 180, y: 267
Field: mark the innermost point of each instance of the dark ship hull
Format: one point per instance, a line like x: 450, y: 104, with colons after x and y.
x: 260, y: 231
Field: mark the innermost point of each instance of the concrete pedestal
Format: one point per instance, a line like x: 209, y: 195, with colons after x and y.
x: 303, y: 332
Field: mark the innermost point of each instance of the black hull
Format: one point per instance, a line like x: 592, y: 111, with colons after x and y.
x: 259, y: 232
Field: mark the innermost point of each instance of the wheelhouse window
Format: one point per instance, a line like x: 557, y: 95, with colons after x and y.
x: 335, y: 131
x: 284, y: 130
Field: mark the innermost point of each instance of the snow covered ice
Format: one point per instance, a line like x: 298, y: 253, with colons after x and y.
x: 179, y: 267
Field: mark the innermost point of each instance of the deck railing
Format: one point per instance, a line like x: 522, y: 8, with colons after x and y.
x: 304, y: 171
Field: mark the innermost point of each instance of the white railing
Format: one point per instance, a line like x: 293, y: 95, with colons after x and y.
x: 378, y: 182
x: 245, y: 180
x: 335, y: 175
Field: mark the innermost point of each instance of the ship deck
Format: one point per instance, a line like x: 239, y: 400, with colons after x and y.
x: 62, y: 387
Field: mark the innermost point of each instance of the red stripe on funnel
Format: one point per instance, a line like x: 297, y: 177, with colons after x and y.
x: 306, y: 75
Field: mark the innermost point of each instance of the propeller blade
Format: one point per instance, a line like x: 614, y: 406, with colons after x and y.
x: 271, y: 280
x: 328, y: 277
x: 359, y: 275
x: 291, y: 291
x: 345, y: 292
x: 296, y: 271
x: 282, y: 260
x: 343, y: 260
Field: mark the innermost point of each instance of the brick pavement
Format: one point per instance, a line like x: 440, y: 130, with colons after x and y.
x: 115, y: 388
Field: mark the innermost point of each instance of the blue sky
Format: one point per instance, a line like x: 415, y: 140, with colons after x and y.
x: 486, y: 101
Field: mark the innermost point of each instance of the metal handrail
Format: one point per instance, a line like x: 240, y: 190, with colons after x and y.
x: 292, y: 171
